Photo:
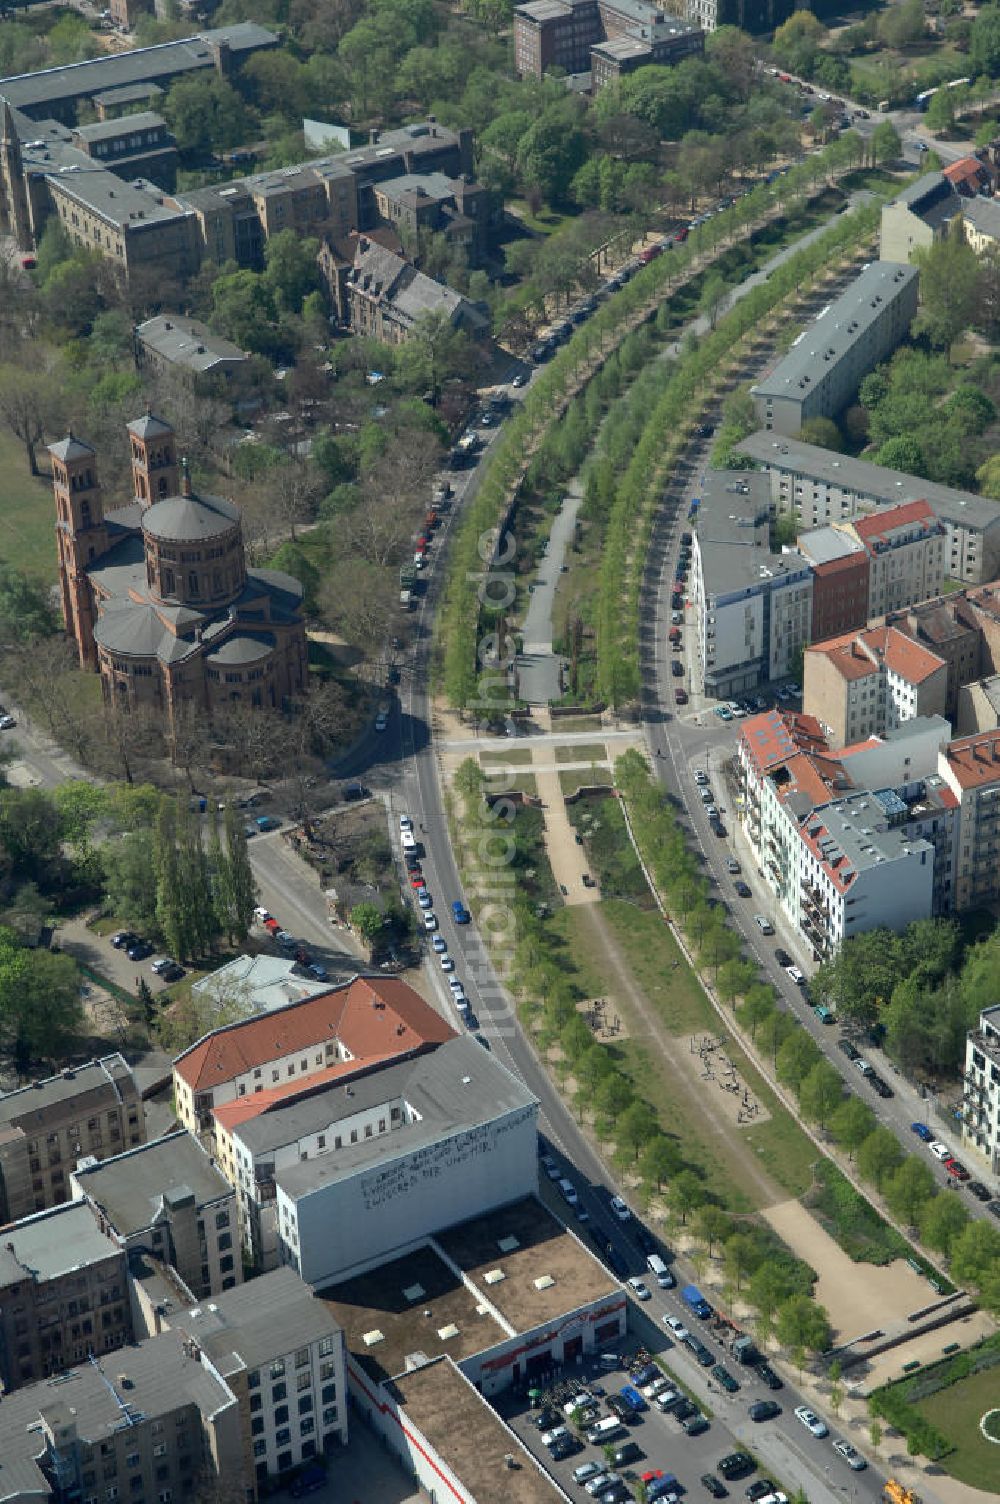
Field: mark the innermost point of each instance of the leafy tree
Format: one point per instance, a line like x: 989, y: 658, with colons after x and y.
x: 686, y: 1194
x: 822, y: 431
x: 984, y: 42
x: 796, y: 1058
x: 851, y: 1124
x: 910, y: 1188
x: 940, y: 116
x: 975, y: 1260
x: 29, y: 407
x: 758, y: 1006
x: 713, y: 1225
x: 243, y: 309
x: 25, y: 607
x: 886, y: 145
x: 797, y: 42
x: 613, y: 1096
x: 291, y: 271
x: 40, y: 1012
x: 552, y: 149
x: 366, y: 919
x: 803, y: 1325
x: 902, y: 452
x: 821, y: 1092
x: 636, y: 1127
x: 949, y: 287
x: 741, y: 1256
x: 205, y: 113
x: 942, y: 1220
x: 879, y: 1156
x: 660, y: 1159
x: 861, y: 976
x: 435, y: 351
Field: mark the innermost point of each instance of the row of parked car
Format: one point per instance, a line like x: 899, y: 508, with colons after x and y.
x: 412, y: 853
x: 138, y: 949
x: 288, y: 943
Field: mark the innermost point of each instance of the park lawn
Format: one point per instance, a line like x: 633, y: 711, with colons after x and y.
x: 544, y: 222
x: 577, y: 723
x: 956, y: 1412
x: 523, y: 783
x: 589, y: 752
x: 514, y: 757
x: 598, y: 775
x: 27, y: 514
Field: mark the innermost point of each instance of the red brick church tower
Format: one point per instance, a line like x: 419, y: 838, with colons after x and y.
x: 154, y: 460
x: 81, y: 537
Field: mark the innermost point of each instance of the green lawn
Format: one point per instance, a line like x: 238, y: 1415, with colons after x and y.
x: 576, y: 723
x: 545, y: 222
x: 589, y: 752
x: 515, y: 757
x: 956, y: 1412
x: 596, y: 776
x: 27, y: 511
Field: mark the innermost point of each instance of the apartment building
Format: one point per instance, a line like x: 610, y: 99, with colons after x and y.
x: 867, y: 683
x: 970, y: 766
x: 818, y: 487
x: 332, y: 1180
x: 604, y: 37
x: 135, y: 225
x: 948, y: 626
x: 63, y: 1295
x: 858, y: 872
x: 281, y: 1353
x: 906, y: 552
x: 137, y: 146
x: 466, y: 214
x: 749, y: 15
x: 369, y: 1018
x: 55, y: 93
x: 981, y: 1093
x: 754, y: 606
x: 840, y: 571
x: 383, y: 296
x: 45, y: 1128
x: 981, y: 224
x: 148, y: 1424
x: 821, y: 373
x: 917, y: 216
x: 169, y: 1198
x: 175, y: 346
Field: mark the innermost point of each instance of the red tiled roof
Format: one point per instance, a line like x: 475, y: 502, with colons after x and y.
x: 369, y: 1016
x: 856, y: 563
x: 819, y: 778
x: 230, y: 1114
x: 776, y: 735
x: 975, y: 760
x: 855, y: 655
x: 965, y: 170
x: 880, y: 525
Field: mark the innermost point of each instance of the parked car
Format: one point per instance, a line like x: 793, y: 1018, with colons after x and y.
x: 714, y: 1486
x: 850, y: 1050
x: 736, y: 1465
x: 811, y: 1421
x: 782, y: 957
x: 762, y: 1410
x: 923, y: 1132
x: 162, y: 964
x: 767, y: 1374
x: 743, y: 889
x: 851, y: 1456
x: 123, y: 939
x: 639, y: 1288
x: 722, y: 1376
x: 620, y: 1210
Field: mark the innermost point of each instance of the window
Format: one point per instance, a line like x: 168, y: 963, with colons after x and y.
x: 328, y: 1370
x: 329, y: 1394
x: 278, y: 1393
x: 260, y: 1448
x: 303, y: 1381
x: 307, y: 1426
x: 330, y: 1416
x: 160, y: 1450
x: 256, y: 1403
x: 222, y: 1218
x: 278, y: 1368
x: 306, y: 1404
x: 253, y: 1379
x: 283, y: 1437
x: 281, y: 1415
x: 225, y: 1241
x: 257, y: 1426
x: 325, y: 1346
x: 302, y: 1357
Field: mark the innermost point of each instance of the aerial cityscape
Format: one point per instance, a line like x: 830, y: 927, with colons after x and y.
x: 499, y: 752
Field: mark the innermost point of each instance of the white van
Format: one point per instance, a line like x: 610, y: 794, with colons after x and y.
x: 660, y: 1272
x: 608, y: 1429
x: 408, y: 840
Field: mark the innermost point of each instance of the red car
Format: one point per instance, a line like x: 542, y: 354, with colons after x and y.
x: 271, y: 925
x: 956, y: 1169
x: 680, y: 697
x: 674, y: 634
x: 416, y: 881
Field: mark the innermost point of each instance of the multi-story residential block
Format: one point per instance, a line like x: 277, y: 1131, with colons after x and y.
x: 821, y: 373
x: 466, y: 214
x: 63, y: 1295
x: 981, y: 1094
x: 949, y: 627
x: 281, y: 1353
x: 45, y: 1128
x: 906, y: 552
x: 981, y: 223
x: 138, y: 146
x: 970, y: 766
x: 384, y: 296
x: 818, y: 487
x: 754, y: 606
x: 604, y: 37
x: 918, y: 216
x: 152, y: 1423
x: 367, y: 1019
x: 978, y: 707
x: 860, y: 872
x: 749, y: 15
x: 338, y: 1177
x: 867, y: 683
x: 170, y: 1199
x: 840, y: 571
x: 188, y: 350
x: 972, y: 176
x: 55, y: 93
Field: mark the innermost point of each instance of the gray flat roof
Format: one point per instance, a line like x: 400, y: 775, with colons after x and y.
x: 53, y: 1243
x: 454, y: 1088
x: 186, y: 342
x: 250, y: 1324
x: 162, y: 1378
x: 836, y: 330
x: 851, y: 823
x: 128, y: 206
x: 824, y: 544
x: 733, y: 534
x: 143, y: 65
x: 105, y: 130
x: 23, y: 1106
x: 868, y: 480
x: 130, y: 1187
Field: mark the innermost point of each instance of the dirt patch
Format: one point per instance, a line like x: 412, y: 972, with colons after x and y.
x: 566, y: 858
x: 601, y: 1016
x: 704, y: 1059
x: 858, y: 1298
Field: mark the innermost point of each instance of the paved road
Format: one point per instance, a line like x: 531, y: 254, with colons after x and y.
x: 539, y: 669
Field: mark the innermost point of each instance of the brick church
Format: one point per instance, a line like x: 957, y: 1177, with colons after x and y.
x: 157, y: 594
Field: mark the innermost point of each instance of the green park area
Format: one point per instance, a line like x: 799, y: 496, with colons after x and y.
x: 957, y: 1412
x: 27, y: 515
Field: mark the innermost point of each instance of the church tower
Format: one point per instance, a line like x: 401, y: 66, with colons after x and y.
x: 154, y: 460
x: 14, y: 216
x: 81, y: 537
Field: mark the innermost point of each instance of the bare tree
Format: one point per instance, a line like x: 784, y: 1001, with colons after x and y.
x: 29, y: 408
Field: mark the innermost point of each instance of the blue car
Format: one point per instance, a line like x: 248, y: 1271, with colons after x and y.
x: 924, y: 1134
x: 633, y: 1398
x: 460, y: 913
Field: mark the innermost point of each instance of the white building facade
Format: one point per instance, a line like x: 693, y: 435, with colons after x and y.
x: 981, y: 1104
